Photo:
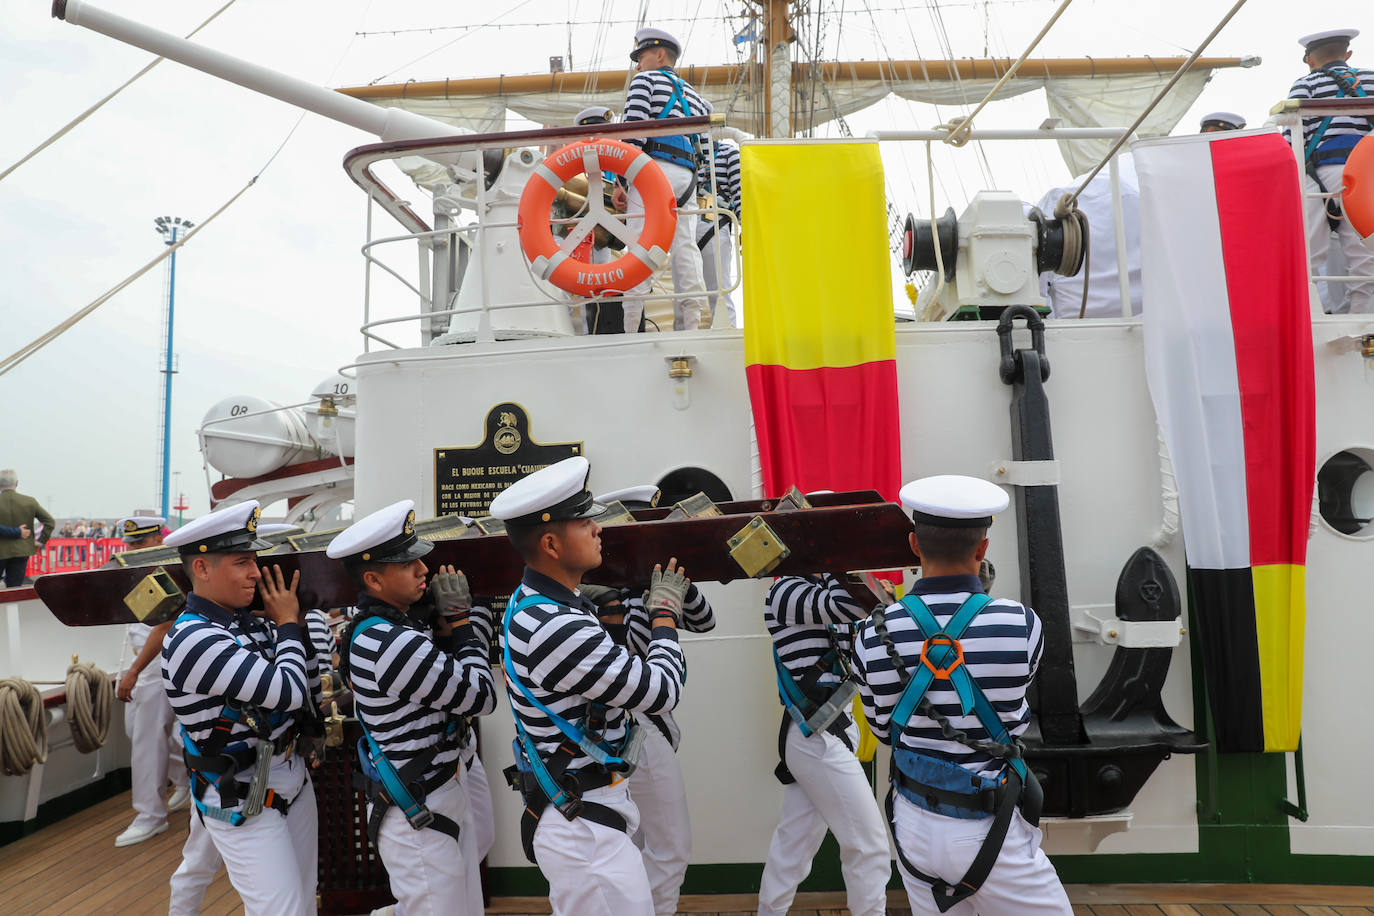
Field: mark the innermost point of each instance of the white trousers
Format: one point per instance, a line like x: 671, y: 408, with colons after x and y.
x: 1359, y: 260
x: 429, y: 873
x: 1022, y: 882
x: 199, y: 862
x: 271, y: 859
x: 149, y: 721
x: 481, y: 818
x: 831, y: 791
x: 592, y: 869
x: 685, y: 256
x: 718, y: 253
x: 665, y: 829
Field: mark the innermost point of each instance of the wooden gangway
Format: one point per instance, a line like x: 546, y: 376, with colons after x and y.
x: 72, y: 867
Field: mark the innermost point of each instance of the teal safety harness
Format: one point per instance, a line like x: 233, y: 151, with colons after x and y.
x: 817, y: 701
x: 1334, y: 151
x: 403, y: 787
x: 679, y: 150
x: 946, y: 788
x: 217, y: 762
x: 541, y: 782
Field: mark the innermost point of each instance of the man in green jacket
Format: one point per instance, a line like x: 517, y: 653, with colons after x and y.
x: 20, y: 511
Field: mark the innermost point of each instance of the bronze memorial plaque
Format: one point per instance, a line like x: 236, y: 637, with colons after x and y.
x: 466, y: 480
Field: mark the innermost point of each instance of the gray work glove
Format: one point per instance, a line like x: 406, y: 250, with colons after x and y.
x: 452, y: 597
x: 667, y: 591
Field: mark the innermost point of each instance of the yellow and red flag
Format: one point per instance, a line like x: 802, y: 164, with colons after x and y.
x: 820, y: 352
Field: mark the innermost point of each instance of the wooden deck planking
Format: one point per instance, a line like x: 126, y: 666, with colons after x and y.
x: 73, y: 867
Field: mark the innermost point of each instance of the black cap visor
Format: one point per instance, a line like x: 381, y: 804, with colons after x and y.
x: 579, y: 505
x: 241, y: 541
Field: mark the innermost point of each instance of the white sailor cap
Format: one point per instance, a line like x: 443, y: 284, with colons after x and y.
x: 385, y: 536
x: 138, y: 527
x: 1320, y: 38
x: 654, y: 38
x: 953, y: 501
x: 596, y: 114
x: 1226, y: 120
x: 230, y: 530
x: 643, y: 497
x: 556, y: 493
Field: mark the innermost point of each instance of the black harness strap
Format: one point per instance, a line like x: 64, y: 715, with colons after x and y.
x: 577, y: 783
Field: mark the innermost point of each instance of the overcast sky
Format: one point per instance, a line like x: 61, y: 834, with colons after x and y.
x: 269, y: 297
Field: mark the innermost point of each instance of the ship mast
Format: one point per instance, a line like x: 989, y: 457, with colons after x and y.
x: 778, y: 60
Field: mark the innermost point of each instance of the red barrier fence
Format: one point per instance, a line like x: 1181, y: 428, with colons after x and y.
x: 72, y: 554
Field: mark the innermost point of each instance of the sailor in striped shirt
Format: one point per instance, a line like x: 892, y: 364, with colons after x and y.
x: 656, y: 786
x: 810, y: 620
x: 715, y: 238
x: 235, y: 682
x: 1327, y: 143
x: 656, y: 92
x: 567, y: 680
x: 416, y: 671
x: 942, y: 813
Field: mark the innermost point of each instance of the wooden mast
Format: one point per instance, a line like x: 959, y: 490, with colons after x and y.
x: 725, y: 75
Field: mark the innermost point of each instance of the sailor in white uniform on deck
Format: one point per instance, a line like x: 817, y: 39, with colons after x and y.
x: 1327, y: 142
x: 1221, y: 120
x: 237, y: 683
x: 716, y: 238
x: 810, y: 620
x: 656, y: 786
x: 417, y: 671
x: 572, y: 690
x: 657, y: 92
x: 948, y: 657
x: 148, y: 718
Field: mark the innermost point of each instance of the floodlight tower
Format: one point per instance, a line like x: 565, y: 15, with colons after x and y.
x: 171, y: 229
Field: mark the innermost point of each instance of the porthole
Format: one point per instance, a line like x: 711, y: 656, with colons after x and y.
x: 681, y: 483
x: 1345, y: 492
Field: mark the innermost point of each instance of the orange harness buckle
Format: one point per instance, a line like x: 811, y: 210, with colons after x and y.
x: 942, y: 640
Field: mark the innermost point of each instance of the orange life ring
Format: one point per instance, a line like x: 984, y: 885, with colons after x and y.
x: 552, y: 259
x: 1357, y: 189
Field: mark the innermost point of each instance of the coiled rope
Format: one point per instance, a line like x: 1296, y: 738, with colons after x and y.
x: 90, y: 699
x: 23, y: 727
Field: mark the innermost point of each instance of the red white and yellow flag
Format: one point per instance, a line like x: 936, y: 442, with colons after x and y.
x: 1228, y: 349
x: 820, y: 351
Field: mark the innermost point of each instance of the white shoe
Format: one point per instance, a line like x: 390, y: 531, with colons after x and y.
x: 181, y: 797
x: 137, y: 834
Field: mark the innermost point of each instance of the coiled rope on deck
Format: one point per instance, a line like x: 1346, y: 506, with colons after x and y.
x: 90, y: 699
x: 23, y: 727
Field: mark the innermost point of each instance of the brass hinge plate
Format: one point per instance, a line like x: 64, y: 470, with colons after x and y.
x: 757, y: 548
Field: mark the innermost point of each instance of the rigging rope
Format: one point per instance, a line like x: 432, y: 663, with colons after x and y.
x: 958, y: 136
x: 1068, y: 201
x: 23, y: 727
x: 100, y: 104
x: 38, y: 343
x: 90, y: 698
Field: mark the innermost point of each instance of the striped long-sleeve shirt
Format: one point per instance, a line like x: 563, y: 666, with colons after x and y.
x: 407, y: 688
x: 727, y: 176
x: 697, y: 617
x: 567, y: 660
x: 1321, y: 84
x: 803, y: 615
x: 1002, y: 648
x: 218, y: 656
x: 651, y: 91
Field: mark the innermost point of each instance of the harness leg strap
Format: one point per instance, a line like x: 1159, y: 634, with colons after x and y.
x: 945, y: 894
